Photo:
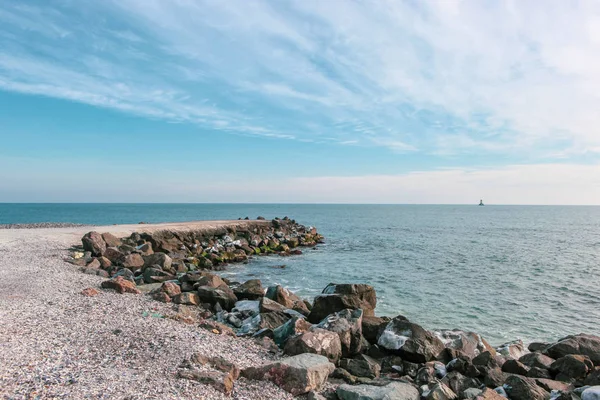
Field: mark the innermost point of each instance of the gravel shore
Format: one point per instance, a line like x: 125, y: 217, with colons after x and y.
x: 55, y: 342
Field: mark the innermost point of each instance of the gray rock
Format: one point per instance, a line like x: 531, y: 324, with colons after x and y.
x: 410, y: 341
x: 160, y: 259
x: 591, y: 393
x: 297, y: 375
x: 337, y: 297
x: 348, y: 325
x: 316, y: 341
x: 521, y: 388
x: 391, y: 391
x: 362, y: 366
x: 587, y: 345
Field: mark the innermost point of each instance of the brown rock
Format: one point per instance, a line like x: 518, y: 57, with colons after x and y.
x: 439, y: 391
x: 348, y: 325
x: 515, y: 367
x: 111, y: 240
x: 114, y: 255
x: 537, y: 360
x: 372, y: 326
x: 410, y: 341
x: 287, y: 299
x: 146, y: 249
x: 94, y: 264
x: 216, y: 362
x: 188, y: 298
x: 171, y: 289
x: 133, y: 261
x: 317, y: 341
x: 522, y: 388
x: 251, y: 290
x: 89, y: 292
x: 121, y: 285
x: 361, y: 366
x: 105, y: 263
x: 273, y: 320
x: 93, y: 242
x: 571, y: 366
x: 222, y: 295
x: 587, y: 345
x: 593, y: 379
x: 210, y: 280
x: 267, y: 305
x: 550, y: 385
x: 161, y: 296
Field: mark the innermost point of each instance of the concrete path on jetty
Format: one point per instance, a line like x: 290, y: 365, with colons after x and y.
x: 55, y: 342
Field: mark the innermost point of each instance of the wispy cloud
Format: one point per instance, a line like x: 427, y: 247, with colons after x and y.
x: 437, y: 77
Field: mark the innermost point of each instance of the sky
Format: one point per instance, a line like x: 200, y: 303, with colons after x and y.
x: 301, y: 101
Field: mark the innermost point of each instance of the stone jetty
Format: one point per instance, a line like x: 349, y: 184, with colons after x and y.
x: 334, y: 347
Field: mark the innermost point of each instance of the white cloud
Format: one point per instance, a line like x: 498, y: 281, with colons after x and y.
x: 439, y: 77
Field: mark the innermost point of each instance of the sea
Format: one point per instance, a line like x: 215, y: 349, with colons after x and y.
x: 506, y: 272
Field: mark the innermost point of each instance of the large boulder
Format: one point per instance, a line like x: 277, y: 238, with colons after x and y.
x: 391, y: 391
x: 571, y: 367
x: 372, y: 326
x: 286, y: 298
x: 251, y: 290
x: 160, y: 259
x: 460, y: 383
x: 115, y: 255
x: 587, y: 345
x: 273, y: 320
x: 348, y: 325
x: 316, y: 341
x: 297, y: 375
x: 267, y: 306
x: 337, y: 297
x: 512, y: 350
x: 93, y: 242
x: 591, y: 393
x: 410, y: 341
x: 222, y: 295
x: 133, y: 261
x: 522, y: 388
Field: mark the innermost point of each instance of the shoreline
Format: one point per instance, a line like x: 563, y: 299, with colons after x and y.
x: 18, y: 239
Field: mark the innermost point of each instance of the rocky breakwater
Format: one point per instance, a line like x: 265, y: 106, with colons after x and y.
x: 334, y: 347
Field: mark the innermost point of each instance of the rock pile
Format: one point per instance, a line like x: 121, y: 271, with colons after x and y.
x: 337, y: 337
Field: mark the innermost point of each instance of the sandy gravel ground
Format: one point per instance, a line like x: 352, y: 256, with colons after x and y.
x: 57, y: 343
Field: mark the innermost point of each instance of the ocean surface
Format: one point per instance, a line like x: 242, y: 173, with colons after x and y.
x: 507, y: 272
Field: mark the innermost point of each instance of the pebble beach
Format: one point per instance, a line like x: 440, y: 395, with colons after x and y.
x: 57, y: 343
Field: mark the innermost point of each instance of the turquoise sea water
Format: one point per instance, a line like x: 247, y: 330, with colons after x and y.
x: 530, y: 272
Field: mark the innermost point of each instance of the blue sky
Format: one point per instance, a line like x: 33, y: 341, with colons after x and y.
x: 300, y: 101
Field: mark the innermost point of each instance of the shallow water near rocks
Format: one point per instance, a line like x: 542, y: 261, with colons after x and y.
x: 529, y: 272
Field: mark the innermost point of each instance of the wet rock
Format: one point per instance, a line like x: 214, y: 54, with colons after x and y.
x: 315, y: 341
x: 160, y: 259
x: 223, y: 382
x: 348, y: 325
x: 295, y: 326
x: 296, y: 375
x: 133, y: 261
x: 410, y: 341
x: 522, y: 388
x: 337, y: 297
x: 587, y: 345
x: 362, y: 366
x: 111, y: 240
x: 536, y: 360
x: 221, y: 295
x: 390, y: 391
x: 93, y: 242
x: 286, y: 298
x: 439, y: 391
x: 251, y: 290
x: 121, y: 285
x: 571, y: 367
x: 188, y: 298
